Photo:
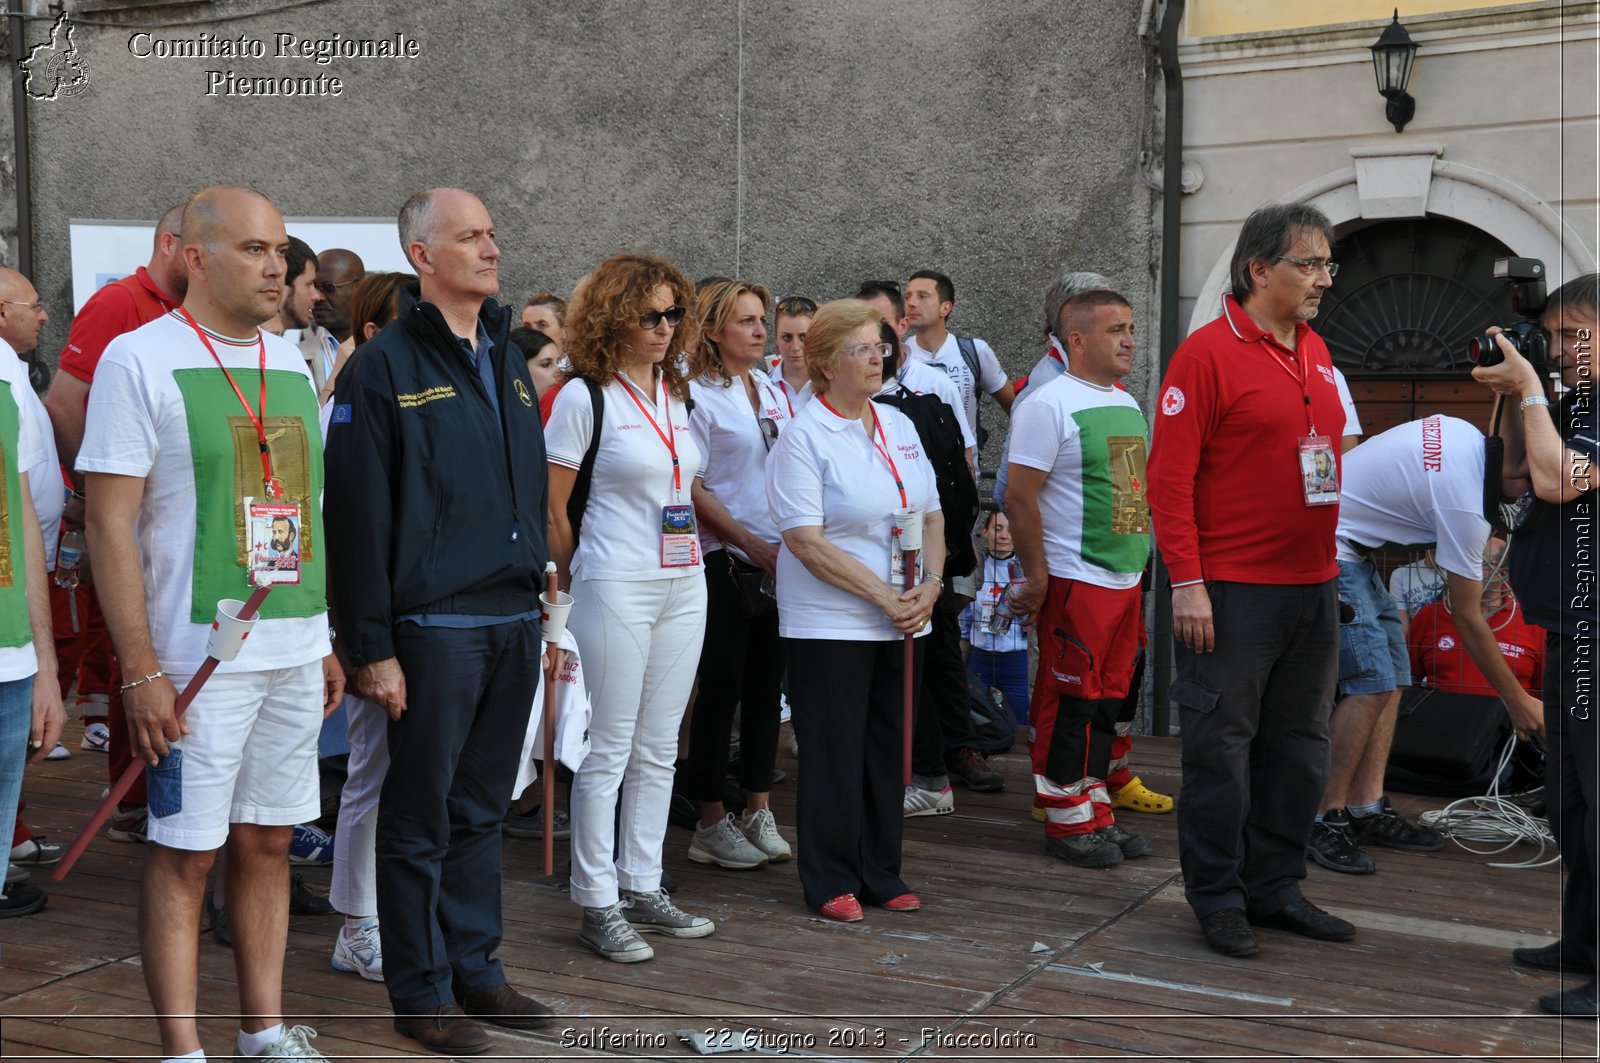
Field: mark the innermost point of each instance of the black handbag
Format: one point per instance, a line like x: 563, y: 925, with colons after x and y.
x: 750, y: 580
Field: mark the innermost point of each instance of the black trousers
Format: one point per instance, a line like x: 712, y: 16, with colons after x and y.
x: 943, y: 721
x: 846, y: 701
x: 452, y: 763
x: 1255, y: 743
x: 740, y: 667
x: 1571, y: 778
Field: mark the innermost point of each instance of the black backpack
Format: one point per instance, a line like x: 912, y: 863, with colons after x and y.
x: 940, y: 433
x: 994, y: 728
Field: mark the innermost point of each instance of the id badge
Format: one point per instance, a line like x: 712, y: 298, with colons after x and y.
x: 680, y: 538
x: 985, y: 615
x: 274, y: 541
x: 1319, y: 470
x: 897, y: 563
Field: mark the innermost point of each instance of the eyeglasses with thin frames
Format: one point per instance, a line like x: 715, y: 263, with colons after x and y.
x: 673, y: 315
x: 865, y: 350
x: 1312, y: 265
x: 37, y: 308
x: 328, y: 287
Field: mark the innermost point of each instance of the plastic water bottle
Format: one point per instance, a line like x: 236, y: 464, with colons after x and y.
x: 69, y: 555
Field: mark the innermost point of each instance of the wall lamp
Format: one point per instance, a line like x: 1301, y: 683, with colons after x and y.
x: 1391, y: 62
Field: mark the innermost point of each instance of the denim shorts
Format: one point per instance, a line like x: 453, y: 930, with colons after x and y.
x: 1372, y: 648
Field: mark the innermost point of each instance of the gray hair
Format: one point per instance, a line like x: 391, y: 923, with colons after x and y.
x: 1267, y: 235
x: 418, y: 222
x: 1064, y: 289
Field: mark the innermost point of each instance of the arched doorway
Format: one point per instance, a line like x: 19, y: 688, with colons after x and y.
x: 1409, y: 296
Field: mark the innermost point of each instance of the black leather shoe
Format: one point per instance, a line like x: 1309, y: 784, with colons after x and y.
x: 1229, y: 933
x: 445, y: 1030
x: 1579, y: 1003
x: 1551, y: 958
x: 1306, y: 919
x: 504, y: 1006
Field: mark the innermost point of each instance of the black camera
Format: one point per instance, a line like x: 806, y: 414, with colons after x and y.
x: 1528, y: 296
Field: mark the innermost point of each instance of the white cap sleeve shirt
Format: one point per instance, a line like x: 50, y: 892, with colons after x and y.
x: 19, y: 662
x: 826, y: 471
x: 727, y: 429
x: 1419, y: 484
x: 621, y: 534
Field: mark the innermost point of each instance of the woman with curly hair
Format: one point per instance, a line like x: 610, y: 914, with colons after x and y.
x: 737, y: 417
x: 639, y: 596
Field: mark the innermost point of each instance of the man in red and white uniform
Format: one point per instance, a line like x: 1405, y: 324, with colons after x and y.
x: 1439, y: 656
x: 83, y: 643
x: 1244, y: 496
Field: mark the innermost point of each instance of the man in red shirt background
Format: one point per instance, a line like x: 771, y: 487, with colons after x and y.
x: 1438, y: 659
x: 83, y: 644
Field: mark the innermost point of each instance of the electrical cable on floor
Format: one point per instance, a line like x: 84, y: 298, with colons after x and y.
x: 1495, y: 821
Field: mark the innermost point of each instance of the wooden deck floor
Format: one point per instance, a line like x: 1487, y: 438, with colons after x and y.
x: 1015, y: 956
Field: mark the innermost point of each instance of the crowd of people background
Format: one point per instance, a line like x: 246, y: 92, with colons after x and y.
x: 742, y: 537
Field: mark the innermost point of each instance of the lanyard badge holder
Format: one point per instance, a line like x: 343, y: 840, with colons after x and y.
x: 680, y: 535
x: 272, y: 522
x: 1317, y: 457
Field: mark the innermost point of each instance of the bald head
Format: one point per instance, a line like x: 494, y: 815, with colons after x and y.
x: 21, y: 316
x: 208, y: 214
x: 233, y: 245
x: 166, y: 266
x: 338, y: 271
x: 171, y: 222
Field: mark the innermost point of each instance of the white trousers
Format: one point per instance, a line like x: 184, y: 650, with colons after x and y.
x: 355, y: 878
x: 641, y: 647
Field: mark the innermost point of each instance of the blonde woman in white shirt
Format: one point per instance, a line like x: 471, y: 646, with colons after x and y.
x: 639, y: 595
x: 737, y: 417
x: 835, y: 480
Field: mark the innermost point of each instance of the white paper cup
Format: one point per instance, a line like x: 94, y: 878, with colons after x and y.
x: 228, y: 632
x: 908, y: 522
x: 553, y: 615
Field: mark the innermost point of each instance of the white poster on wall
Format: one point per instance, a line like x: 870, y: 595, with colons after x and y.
x: 104, y: 251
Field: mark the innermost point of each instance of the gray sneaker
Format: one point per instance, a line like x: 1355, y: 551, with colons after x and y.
x: 654, y: 913
x: 607, y: 932
x: 761, y: 829
x: 1084, y: 850
x: 1132, y: 845
x: 292, y: 1045
x: 723, y: 844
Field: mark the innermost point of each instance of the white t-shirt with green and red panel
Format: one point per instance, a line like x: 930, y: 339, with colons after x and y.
x: 21, y: 449
x: 1092, y: 441
x: 160, y: 408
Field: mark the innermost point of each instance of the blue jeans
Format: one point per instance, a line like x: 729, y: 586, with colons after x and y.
x: 1007, y: 673
x: 16, y: 718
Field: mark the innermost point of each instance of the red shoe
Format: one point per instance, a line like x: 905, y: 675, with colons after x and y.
x: 906, y: 902
x: 844, y: 908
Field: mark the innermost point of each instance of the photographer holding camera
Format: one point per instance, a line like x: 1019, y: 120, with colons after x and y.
x: 1553, y: 574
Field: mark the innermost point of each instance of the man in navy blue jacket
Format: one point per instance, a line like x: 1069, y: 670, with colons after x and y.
x: 436, y: 504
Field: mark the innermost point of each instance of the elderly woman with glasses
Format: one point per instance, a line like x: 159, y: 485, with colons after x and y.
x: 639, y: 596
x: 836, y: 481
x: 737, y: 417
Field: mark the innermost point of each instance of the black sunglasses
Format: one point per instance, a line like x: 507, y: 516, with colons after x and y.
x: 673, y: 315
x: 328, y: 287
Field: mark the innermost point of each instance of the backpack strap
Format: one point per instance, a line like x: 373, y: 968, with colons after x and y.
x: 578, y: 501
x: 969, y: 354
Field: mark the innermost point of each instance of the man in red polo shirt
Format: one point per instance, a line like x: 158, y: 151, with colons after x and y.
x: 85, y: 645
x: 1243, y: 479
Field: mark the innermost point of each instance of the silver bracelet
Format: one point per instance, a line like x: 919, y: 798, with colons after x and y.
x: 1534, y: 400
x: 151, y: 678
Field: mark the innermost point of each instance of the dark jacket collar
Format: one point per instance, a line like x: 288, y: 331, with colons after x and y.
x: 425, y: 320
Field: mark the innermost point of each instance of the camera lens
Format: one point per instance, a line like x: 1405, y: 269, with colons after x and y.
x: 1483, y: 350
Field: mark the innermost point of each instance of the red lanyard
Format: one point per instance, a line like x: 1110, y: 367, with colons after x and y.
x: 273, y: 488
x: 669, y: 438
x: 783, y: 388
x: 881, y: 447
x: 1300, y: 378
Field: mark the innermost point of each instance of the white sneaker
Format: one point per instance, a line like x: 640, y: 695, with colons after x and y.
x: 783, y: 708
x: 36, y: 852
x: 761, y: 830
x: 724, y: 845
x: 920, y: 802
x: 96, y: 738
x: 292, y: 1045
x: 60, y: 752
x: 359, y: 951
